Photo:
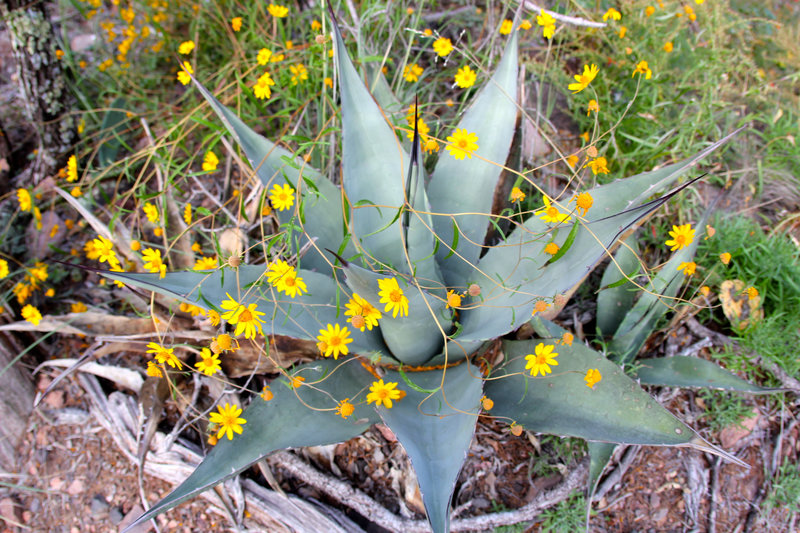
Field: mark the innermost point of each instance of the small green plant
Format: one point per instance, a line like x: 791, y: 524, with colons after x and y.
x: 723, y: 409
x: 785, y: 491
x: 399, y: 257
x: 565, y: 517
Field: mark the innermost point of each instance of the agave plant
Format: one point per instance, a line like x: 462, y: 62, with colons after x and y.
x: 392, y: 238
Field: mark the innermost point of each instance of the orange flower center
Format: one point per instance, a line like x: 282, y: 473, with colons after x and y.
x: 289, y: 281
x: 334, y: 341
x: 462, y: 143
x: 358, y: 321
x: 396, y: 296
x: 552, y: 212
x: 246, y: 316
x: 541, y: 359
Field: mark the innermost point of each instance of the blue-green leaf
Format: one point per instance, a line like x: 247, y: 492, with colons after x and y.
x: 616, y: 291
x: 467, y: 186
x: 294, y: 417
x: 301, y: 317
x: 373, y: 165
x: 657, y: 298
x: 436, y: 431
x: 615, y: 410
x: 273, y: 164
x: 513, y: 275
x: 114, y: 124
x: 683, y: 371
x: 412, y: 339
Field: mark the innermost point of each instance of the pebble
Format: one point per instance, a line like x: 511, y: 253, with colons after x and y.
x: 99, y: 507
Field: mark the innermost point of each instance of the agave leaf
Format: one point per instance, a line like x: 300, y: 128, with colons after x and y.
x: 436, y: 431
x: 301, y: 317
x: 514, y: 271
x: 322, y: 208
x: 599, y: 455
x: 420, y: 240
x: 616, y: 291
x: 113, y: 126
x: 458, y: 188
x: 301, y: 417
x: 616, y: 410
x: 683, y: 371
x: 412, y: 339
x: 517, y: 272
x: 653, y: 303
x: 373, y: 160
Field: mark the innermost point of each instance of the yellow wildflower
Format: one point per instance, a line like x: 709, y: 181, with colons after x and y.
x: 506, y: 27
x: 682, y: 236
x: 24, y: 198
x: 442, y: 46
x: 642, y: 68
x: 262, y: 88
x: 612, y: 14
x: 31, y: 314
x: 335, y: 340
x: 210, y: 161
x: 236, y: 23
x: 541, y: 360
x: 392, y: 295
x: 550, y: 213
x: 592, y: 377
x: 227, y: 419
x: 462, y: 143
x: 412, y: 72
x: 583, y: 80
x: 383, y: 393
x: 184, y: 74
x: 465, y: 77
x: 281, y: 196
x: 186, y: 47
x: 280, y: 12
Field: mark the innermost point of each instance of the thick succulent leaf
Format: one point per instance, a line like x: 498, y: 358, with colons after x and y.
x: 373, y: 165
x: 616, y: 410
x: 301, y: 417
x: 114, y: 125
x: 518, y: 271
x: 436, y: 431
x: 412, y: 339
x: 654, y: 302
x: 683, y: 371
x: 459, y: 188
x: 513, y: 274
x: 628, y: 192
x: 617, y: 292
x: 322, y: 219
x: 599, y: 455
x: 380, y: 88
x: 420, y: 240
x: 301, y: 317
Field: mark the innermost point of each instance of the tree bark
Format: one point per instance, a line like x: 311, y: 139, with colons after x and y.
x: 48, y: 101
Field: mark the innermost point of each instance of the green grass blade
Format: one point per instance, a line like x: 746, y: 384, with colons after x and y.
x: 291, y: 419
x: 436, y: 431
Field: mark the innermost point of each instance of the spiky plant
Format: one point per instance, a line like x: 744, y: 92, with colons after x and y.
x: 396, y: 237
